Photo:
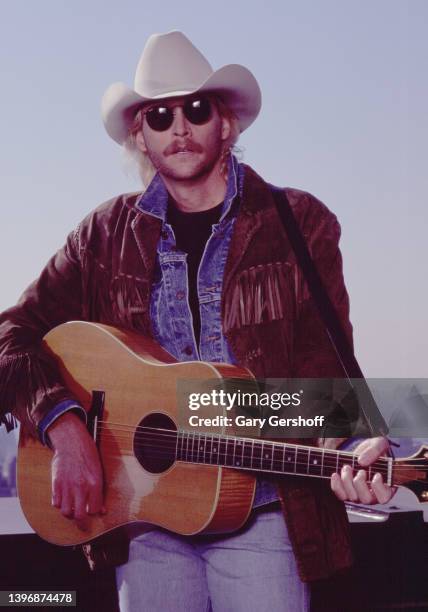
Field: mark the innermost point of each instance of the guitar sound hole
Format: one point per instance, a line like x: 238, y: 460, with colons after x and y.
x: 155, y: 442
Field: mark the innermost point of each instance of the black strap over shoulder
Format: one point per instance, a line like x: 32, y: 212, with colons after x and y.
x: 328, y: 314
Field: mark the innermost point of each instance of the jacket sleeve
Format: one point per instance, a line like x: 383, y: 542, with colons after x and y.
x: 30, y: 384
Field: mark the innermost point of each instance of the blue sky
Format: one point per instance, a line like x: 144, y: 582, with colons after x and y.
x: 344, y: 116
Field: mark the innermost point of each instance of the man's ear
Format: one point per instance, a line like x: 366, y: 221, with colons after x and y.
x: 140, y: 142
x: 225, y: 128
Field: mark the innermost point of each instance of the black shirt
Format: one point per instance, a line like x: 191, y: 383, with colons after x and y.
x: 192, y: 230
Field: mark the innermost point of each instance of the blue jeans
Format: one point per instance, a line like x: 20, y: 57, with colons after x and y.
x: 253, y: 569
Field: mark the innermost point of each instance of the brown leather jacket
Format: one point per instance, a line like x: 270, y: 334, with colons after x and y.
x: 104, y: 273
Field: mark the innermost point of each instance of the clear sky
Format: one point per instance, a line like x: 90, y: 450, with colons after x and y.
x: 344, y: 116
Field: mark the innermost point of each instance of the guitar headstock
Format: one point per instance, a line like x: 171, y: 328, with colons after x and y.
x: 412, y: 473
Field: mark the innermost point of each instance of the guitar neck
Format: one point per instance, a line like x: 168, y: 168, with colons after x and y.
x: 271, y: 457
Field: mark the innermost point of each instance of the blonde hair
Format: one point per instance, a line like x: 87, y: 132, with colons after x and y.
x: 146, y: 171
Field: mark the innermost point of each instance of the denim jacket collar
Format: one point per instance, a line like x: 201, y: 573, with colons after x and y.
x: 154, y: 200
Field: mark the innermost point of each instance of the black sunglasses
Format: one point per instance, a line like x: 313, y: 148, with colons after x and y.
x: 197, y: 110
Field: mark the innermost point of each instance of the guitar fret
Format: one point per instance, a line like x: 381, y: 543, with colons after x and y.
x: 289, y: 459
x: 239, y: 448
x: 201, y: 448
x: 223, y: 451
x: 196, y: 447
x: 301, y: 460
x: 208, y: 444
x: 228, y: 460
x: 262, y: 456
x: 188, y: 451
x: 316, y: 462
x: 266, y: 456
x: 277, y: 458
x: 247, y: 457
x: 191, y: 440
x: 257, y: 455
x: 195, y: 450
x: 210, y: 450
x: 215, y: 451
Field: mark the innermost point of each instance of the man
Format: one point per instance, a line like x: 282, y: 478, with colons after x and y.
x: 179, y: 262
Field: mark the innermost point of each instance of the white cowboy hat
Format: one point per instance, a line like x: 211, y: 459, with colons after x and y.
x: 171, y: 65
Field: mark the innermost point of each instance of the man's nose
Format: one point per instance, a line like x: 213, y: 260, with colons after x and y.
x: 180, y: 124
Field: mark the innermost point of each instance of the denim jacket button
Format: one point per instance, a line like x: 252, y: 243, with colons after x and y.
x: 180, y: 295
x: 188, y: 350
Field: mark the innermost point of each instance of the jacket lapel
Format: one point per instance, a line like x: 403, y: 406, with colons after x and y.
x: 146, y: 229
x: 256, y: 201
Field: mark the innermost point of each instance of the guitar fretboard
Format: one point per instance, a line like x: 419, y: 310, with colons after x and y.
x: 269, y: 456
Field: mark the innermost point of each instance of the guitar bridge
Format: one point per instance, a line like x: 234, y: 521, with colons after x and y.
x: 95, y: 412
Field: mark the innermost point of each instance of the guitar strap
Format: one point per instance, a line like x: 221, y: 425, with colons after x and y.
x: 328, y: 314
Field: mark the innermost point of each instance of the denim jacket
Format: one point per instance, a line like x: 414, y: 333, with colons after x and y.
x: 170, y: 313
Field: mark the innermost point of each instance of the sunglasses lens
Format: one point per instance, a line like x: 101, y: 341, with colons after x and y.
x: 197, y: 110
x: 160, y: 118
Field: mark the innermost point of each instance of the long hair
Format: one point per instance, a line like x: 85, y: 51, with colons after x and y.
x: 134, y: 157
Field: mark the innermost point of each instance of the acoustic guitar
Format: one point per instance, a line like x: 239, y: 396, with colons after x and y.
x: 156, y: 472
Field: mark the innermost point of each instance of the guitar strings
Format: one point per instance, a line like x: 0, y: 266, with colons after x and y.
x: 326, y: 460
x: 142, y: 440
x: 194, y: 458
x: 195, y: 455
x: 223, y: 437
x: 192, y: 439
x: 106, y: 425
x: 130, y: 452
x: 276, y: 469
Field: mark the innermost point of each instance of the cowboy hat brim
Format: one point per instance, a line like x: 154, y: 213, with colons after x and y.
x: 234, y: 83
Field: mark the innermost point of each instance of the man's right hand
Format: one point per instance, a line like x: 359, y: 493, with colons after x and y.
x: 77, y: 478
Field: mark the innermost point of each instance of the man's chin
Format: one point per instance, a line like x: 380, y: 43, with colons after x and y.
x: 184, y: 172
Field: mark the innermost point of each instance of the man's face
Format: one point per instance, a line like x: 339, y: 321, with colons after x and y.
x: 185, y: 151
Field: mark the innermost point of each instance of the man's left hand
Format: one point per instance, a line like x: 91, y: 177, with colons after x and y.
x: 351, y: 485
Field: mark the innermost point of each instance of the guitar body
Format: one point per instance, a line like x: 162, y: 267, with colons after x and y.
x: 139, y: 380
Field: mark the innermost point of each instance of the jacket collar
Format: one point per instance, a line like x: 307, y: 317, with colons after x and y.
x: 154, y: 200
x: 257, y: 205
